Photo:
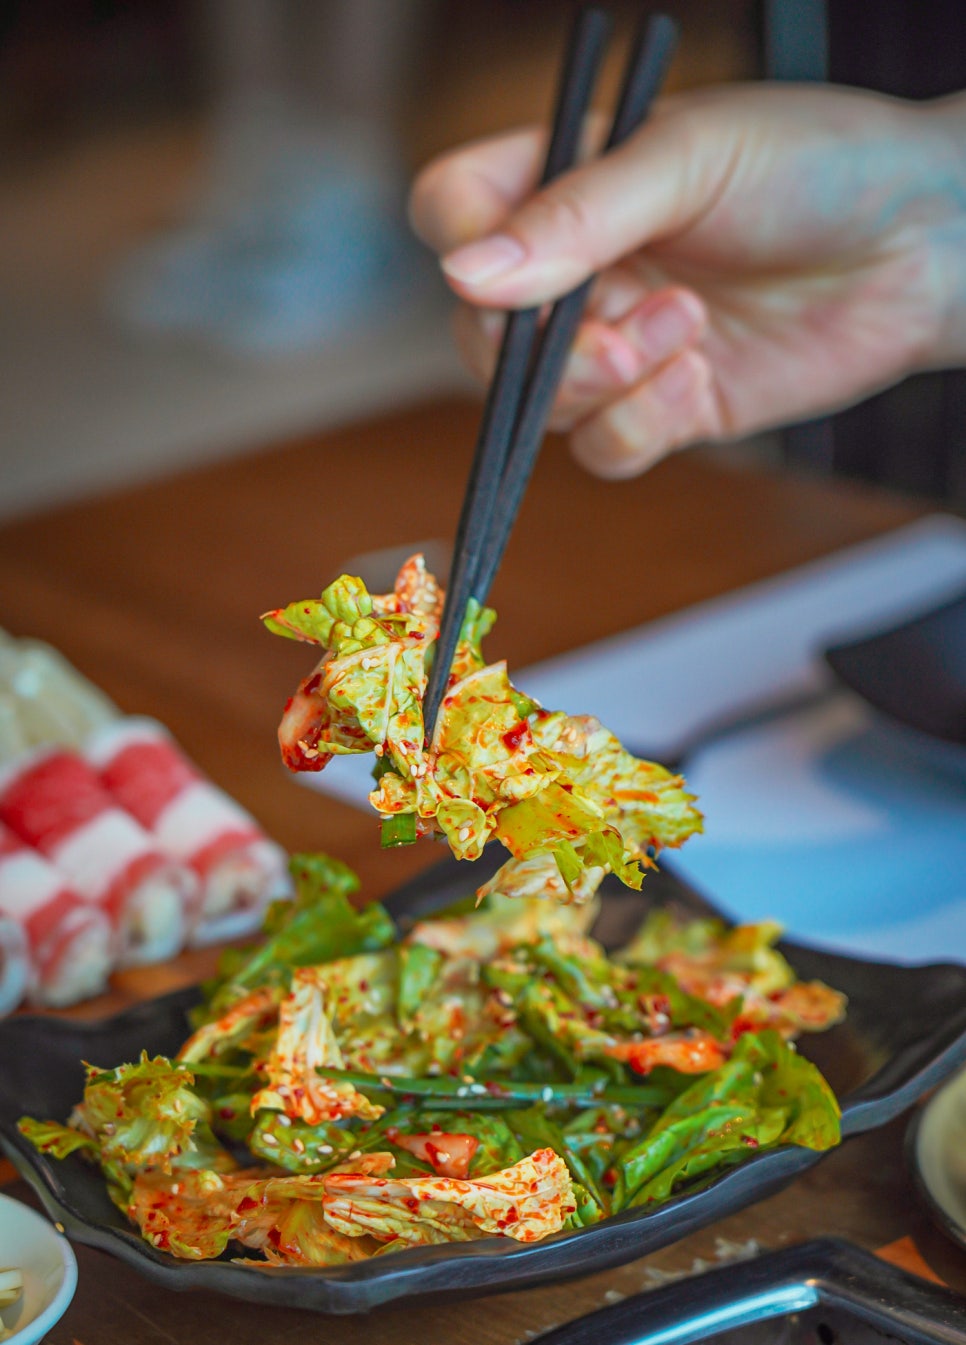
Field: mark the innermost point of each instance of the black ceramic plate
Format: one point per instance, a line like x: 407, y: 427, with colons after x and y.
x: 915, y: 672
x: 905, y: 1032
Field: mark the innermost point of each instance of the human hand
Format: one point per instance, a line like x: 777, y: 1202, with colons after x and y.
x: 764, y: 253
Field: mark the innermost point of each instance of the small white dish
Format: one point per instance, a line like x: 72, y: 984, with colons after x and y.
x: 44, y: 1257
x: 938, y: 1156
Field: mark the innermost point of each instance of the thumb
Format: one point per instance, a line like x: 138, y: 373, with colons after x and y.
x: 653, y: 186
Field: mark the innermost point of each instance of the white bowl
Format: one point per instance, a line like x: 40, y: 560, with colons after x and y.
x: 45, y: 1259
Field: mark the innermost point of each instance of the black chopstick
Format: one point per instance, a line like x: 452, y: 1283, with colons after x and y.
x: 646, y: 72
x: 585, y: 51
x: 528, y: 371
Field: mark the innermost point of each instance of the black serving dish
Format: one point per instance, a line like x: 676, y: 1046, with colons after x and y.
x: 905, y: 1033
x: 824, y: 1291
x: 915, y: 672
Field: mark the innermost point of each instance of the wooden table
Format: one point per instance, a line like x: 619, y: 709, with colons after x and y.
x: 155, y: 592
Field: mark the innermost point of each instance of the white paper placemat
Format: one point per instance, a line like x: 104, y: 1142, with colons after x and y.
x: 849, y: 830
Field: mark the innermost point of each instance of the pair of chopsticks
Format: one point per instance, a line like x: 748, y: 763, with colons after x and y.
x: 531, y: 360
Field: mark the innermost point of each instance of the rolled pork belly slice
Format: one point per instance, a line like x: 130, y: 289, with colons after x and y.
x: 53, y: 800
x: 71, y: 941
x: 240, y: 869
x: 17, y: 973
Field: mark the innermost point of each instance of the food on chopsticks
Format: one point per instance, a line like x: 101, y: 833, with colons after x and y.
x: 238, y: 869
x: 114, y: 847
x: 559, y: 791
x: 495, y: 1072
x: 70, y: 939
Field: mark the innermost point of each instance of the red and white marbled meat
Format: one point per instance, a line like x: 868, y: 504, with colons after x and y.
x: 239, y: 869
x: 54, y: 800
x: 70, y: 940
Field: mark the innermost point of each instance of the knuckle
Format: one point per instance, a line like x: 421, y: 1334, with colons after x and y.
x: 568, y: 214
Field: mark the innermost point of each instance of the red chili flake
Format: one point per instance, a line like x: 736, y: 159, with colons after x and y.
x: 411, y: 1203
x: 246, y: 1203
x: 750, y: 1141
x: 227, y: 1113
x: 514, y: 736
x: 363, y: 986
x: 741, y: 1025
x: 610, y: 1177
x: 274, y: 1236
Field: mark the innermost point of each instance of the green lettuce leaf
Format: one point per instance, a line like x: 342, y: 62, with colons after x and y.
x: 50, y: 1137
x: 766, y: 1094
x: 148, y: 1115
x: 319, y: 925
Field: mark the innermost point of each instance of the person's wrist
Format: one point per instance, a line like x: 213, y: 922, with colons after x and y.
x: 945, y: 234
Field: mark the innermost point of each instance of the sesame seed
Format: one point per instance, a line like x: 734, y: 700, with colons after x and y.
x: 324, y: 1148
x: 60, y: 1227
x: 269, y: 1139
x: 464, y: 833
x: 547, y: 1094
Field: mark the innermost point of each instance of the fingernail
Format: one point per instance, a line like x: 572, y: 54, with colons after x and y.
x: 476, y: 263
x: 658, y: 334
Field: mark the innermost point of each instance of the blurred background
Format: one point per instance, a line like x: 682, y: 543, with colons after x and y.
x: 203, y: 244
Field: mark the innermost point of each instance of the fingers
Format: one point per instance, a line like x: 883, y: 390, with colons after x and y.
x: 470, y: 191
x: 607, y: 358
x: 674, y: 408
x: 633, y: 391
x: 649, y: 188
